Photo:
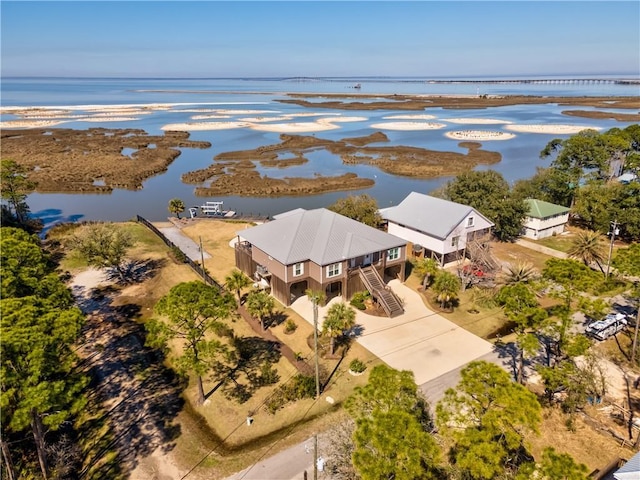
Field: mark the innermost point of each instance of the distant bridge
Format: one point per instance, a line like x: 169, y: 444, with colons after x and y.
x: 548, y: 81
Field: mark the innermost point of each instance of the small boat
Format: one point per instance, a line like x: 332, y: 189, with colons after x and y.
x: 357, y: 86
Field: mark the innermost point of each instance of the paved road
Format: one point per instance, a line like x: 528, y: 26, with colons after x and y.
x: 289, y: 464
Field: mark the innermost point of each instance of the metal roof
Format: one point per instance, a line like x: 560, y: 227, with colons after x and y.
x: 431, y: 215
x: 629, y: 470
x: 542, y: 209
x: 319, y: 235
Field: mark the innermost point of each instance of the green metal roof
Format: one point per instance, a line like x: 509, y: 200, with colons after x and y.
x: 542, y: 209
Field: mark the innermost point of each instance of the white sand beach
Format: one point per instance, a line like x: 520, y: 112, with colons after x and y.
x: 476, y: 121
x: 408, y: 125
x: 550, y: 129
x: 410, y: 117
x: 479, y: 135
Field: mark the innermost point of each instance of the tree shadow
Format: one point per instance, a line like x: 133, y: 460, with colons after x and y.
x: 252, y: 369
x: 135, y: 397
x: 276, y: 319
x: 136, y: 271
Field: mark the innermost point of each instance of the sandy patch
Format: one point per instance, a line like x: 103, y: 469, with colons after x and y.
x: 410, y: 117
x: 559, y: 129
x: 408, y: 125
x: 476, y: 121
x: 479, y: 135
x: 30, y: 123
x: 186, y: 127
x: 295, y: 127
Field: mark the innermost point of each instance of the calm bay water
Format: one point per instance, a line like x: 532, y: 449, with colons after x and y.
x: 520, y: 156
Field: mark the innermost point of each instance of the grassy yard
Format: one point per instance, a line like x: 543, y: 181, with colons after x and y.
x: 217, y: 431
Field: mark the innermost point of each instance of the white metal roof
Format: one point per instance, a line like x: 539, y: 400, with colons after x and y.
x: 319, y: 235
x: 431, y: 215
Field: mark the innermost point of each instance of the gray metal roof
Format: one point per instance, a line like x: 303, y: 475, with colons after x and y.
x: 629, y: 470
x: 320, y: 235
x: 431, y: 215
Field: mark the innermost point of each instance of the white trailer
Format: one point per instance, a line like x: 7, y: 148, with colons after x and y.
x: 603, y: 329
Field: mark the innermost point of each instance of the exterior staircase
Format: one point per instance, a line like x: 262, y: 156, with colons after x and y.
x: 383, y: 294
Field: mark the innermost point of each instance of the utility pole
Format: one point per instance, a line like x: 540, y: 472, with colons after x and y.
x: 614, y: 231
x: 315, y: 344
x: 204, y: 278
x: 315, y: 457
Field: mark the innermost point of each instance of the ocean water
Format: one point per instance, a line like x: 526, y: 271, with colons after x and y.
x: 520, y: 156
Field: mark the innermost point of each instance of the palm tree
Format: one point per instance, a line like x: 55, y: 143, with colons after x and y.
x: 521, y: 272
x: 446, y: 286
x: 589, y: 248
x: 260, y: 304
x: 426, y: 269
x: 237, y: 280
x: 176, y: 206
x: 340, y: 318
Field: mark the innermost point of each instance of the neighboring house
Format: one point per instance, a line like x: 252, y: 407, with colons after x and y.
x: 630, y: 470
x: 322, y: 251
x: 443, y: 228
x: 544, y: 219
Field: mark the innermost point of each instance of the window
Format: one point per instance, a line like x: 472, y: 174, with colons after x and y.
x: 393, y: 253
x: 334, y: 270
x: 298, y: 269
x: 454, y: 241
x: 470, y: 222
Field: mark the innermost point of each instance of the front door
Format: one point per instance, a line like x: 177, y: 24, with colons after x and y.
x: 367, y: 260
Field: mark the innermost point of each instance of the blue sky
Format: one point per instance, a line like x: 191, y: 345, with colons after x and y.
x: 330, y: 38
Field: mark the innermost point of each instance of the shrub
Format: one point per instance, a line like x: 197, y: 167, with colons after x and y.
x: 178, y: 255
x: 358, y: 299
x: 357, y: 366
x: 268, y: 374
x: 300, y: 386
x: 290, y: 326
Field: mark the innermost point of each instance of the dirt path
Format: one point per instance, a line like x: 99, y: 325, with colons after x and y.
x: 138, y: 397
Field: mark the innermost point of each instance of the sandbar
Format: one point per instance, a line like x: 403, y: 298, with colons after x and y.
x: 30, y: 123
x: 550, y: 129
x: 408, y: 125
x: 479, y: 135
x: 476, y: 121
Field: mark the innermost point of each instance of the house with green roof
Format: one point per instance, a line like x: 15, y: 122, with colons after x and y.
x: 544, y: 219
x: 323, y: 251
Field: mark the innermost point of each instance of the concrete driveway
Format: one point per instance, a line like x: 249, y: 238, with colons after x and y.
x: 418, y: 340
